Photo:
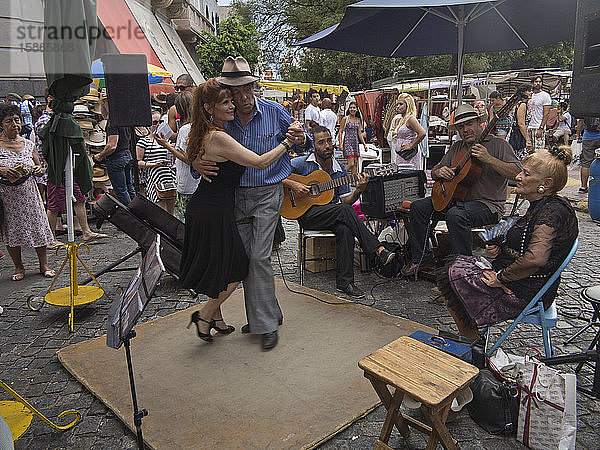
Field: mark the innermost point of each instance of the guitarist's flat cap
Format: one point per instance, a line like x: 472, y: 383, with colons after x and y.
x: 464, y: 113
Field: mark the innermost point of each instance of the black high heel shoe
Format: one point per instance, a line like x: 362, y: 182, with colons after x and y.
x: 195, y: 319
x: 230, y: 328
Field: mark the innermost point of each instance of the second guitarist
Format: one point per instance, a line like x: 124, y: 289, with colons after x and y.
x: 484, y: 202
x: 338, y: 215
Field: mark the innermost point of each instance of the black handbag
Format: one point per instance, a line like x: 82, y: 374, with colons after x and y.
x: 408, y: 154
x: 516, y: 139
x: 495, y: 404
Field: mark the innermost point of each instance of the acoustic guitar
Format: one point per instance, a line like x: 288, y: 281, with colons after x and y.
x: 467, y: 170
x: 320, y: 186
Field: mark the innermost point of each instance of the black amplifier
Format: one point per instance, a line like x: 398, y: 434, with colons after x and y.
x: 383, y: 195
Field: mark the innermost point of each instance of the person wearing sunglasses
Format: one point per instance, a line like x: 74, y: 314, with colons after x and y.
x: 184, y: 83
x: 156, y: 168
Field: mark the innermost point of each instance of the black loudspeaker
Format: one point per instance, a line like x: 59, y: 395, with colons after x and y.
x: 126, y: 78
x: 585, y: 88
x: 142, y: 220
x: 383, y: 195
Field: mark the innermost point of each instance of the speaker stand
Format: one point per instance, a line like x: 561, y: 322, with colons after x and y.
x: 589, y: 355
x: 138, y: 414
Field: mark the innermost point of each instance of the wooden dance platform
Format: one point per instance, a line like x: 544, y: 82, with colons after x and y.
x: 232, y: 394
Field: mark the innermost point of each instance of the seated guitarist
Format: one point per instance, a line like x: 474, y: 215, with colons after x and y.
x: 484, y: 203
x: 337, y: 216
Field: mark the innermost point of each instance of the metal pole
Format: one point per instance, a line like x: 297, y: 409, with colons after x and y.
x: 71, y: 246
x: 460, y: 52
x: 137, y: 414
x: 69, y: 195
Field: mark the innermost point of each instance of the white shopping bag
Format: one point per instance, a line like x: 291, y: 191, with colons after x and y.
x: 576, y: 148
x: 548, y: 411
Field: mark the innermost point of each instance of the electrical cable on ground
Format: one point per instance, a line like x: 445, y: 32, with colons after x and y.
x: 320, y: 299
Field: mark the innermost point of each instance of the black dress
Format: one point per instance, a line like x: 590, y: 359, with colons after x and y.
x: 532, y: 250
x: 213, y: 255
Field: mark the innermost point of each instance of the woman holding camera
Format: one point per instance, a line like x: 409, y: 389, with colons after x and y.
x: 24, y: 222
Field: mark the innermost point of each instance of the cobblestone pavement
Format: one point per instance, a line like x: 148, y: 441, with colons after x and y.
x: 29, y: 340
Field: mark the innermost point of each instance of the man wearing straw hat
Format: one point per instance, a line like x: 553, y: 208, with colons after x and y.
x: 259, y: 125
x: 484, y: 203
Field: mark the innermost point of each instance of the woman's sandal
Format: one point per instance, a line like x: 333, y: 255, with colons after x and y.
x: 195, y: 319
x: 18, y: 276
x: 230, y: 328
x: 48, y: 273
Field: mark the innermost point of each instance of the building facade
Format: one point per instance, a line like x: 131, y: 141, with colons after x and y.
x: 166, y: 31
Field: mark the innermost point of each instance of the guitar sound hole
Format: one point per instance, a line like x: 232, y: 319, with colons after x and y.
x: 314, y: 190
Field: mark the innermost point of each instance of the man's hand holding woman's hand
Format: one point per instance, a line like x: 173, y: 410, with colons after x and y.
x: 295, y: 133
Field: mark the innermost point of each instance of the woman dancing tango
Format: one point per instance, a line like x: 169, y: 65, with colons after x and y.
x: 214, y: 261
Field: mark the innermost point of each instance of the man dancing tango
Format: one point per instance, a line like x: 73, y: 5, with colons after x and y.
x: 484, y: 203
x: 337, y: 216
x: 258, y: 125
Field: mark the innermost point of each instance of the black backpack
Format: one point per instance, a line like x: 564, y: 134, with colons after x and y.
x: 391, y: 270
x: 592, y: 123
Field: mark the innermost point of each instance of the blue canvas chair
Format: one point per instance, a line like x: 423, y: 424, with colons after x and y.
x: 534, y: 312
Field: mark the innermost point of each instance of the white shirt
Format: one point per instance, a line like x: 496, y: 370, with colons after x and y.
x: 535, y: 108
x: 186, y: 183
x: 329, y: 119
x: 312, y: 113
x: 566, y: 125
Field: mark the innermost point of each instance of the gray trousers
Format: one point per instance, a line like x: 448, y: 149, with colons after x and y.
x: 256, y: 213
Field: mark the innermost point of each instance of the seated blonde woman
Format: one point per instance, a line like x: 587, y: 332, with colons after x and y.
x: 534, y: 247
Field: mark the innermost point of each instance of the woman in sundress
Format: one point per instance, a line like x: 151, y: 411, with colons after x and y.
x: 155, y: 160
x: 25, y: 222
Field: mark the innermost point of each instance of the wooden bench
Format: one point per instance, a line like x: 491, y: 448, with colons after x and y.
x: 430, y: 376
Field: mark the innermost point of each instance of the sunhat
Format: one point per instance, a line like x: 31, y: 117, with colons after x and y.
x: 464, y: 113
x: 96, y: 138
x: 236, y: 72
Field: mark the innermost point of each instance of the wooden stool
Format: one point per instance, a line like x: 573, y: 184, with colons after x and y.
x: 428, y: 375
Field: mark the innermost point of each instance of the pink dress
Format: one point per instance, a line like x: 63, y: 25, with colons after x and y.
x: 25, y: 221
x: 404, y: 137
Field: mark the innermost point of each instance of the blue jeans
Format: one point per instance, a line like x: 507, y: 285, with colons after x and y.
x: 119, y: 172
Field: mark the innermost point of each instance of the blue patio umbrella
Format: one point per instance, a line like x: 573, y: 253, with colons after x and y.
x: 397, y: 28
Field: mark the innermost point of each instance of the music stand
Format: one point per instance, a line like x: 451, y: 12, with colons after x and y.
x: 125, y: 312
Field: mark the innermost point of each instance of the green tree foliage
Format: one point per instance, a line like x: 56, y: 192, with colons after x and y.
x: 280, y: 23
x: 234, y: 37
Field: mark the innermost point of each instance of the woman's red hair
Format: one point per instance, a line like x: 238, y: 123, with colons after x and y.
x: 210, y: 93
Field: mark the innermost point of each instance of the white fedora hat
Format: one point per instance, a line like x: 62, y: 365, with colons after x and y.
x: 236, y: 72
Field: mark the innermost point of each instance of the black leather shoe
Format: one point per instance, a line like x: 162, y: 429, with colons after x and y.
x: 351, y: 290
x: 269, y: 340
x: 246, y: 328
x: 385, y: 256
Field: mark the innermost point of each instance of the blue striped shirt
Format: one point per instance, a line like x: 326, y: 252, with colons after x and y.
x: 264, y: 132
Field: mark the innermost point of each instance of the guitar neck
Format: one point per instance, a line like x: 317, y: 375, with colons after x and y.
x: 337, y: 182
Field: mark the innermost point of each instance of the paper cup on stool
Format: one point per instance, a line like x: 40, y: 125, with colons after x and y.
x: 462, y: 399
